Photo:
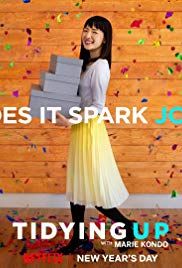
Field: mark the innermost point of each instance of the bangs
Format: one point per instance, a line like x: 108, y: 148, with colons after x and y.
x: 94, y: 22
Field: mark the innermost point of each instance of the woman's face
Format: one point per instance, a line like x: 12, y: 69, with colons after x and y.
x: 92, y: 38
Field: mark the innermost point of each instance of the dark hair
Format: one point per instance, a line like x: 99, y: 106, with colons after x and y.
x: 104, y: 25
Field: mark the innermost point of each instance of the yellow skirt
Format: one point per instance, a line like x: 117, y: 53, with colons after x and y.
x: 93, y: 177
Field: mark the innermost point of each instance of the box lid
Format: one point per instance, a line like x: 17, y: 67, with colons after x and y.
x: 37, y: 91
x: 66, y: 60
x: 61, y: 78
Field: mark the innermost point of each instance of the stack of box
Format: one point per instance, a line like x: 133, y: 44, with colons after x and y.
x: 58, y: 87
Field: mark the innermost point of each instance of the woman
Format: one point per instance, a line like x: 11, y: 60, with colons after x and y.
x: 92, y: 174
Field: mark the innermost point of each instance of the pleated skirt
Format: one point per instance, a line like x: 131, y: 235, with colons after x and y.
x: 93, y: 177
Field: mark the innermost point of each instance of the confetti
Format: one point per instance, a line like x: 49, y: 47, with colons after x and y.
x: 78, y: 4
x: 58, y: 18
x: 44, y: 149
x: 1, y: 191
x: 174, y: 146
x: 170, y: 28
x: 15, y: 93
x: 167, y: 183
x: 144, y: 100
x: 26, y: 1
x: 157, y: 43
x: 47, y: 27
x: 10, y: 218
x: 2, y: 93
x: 29, y: 31
x: 158, y: 181
x: 8, y: 47
x: 11, y: 64
x: 141, y: 41
x: 151, y: 251
x: 168, y: 14
x: 158, y: 137
x: 124, y: 70
x: 29, y: 42
x: 129, y: 32
x: 169, y: 93
x: 136, y: 23
x: 174, y: 194
x: 170, y: 70
x: 78, y: 15
x: 26, y: 181
x: 178, y: 56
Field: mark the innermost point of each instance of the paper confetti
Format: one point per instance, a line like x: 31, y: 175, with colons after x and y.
x: 26, y: 1
x: 157, y: 43
x: 170, y: 28
x: 29, y: 42
x: 2, y: 93
x: 174, y: 146
x: 29, y: 31
x: 136, y: 23
x: 151, y: 251
x: 178, y: 56
x: 47, y: 27
x: 78, y: 15
x: 168, y: 14
x: 11, y: 64
x: 170, y: 70
x: 141, y: 41
x: 58, y: 18
x: 44, y: 149
x: 10, y: 218
x: 174, y: 194
x: 15, y: 93
x: 124, y: 70
x: 1, y: 191
x: 169, y: 93
x: 129, y: 32
x: 8, y: 47
x: 144, y: 100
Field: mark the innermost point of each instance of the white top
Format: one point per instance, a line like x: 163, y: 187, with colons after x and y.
x: 93, y: 84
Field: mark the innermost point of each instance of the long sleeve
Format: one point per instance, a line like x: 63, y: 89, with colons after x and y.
x: 99, y: 84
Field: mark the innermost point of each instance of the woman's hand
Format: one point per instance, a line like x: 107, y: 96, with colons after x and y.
x: 61, y: 120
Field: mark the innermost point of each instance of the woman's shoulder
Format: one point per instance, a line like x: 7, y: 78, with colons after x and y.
x: 102, y: 64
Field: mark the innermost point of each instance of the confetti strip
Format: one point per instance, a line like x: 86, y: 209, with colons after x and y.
x: 157, y: 180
